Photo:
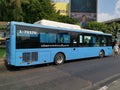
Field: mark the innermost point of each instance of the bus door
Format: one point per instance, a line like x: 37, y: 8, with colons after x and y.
x: 74, y: 43
x: 89, y: 49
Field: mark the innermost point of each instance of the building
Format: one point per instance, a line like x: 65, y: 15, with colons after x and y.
x: 62, y: 6
x: 81, y: 9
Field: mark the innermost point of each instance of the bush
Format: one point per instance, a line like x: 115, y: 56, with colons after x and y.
x: 2, y: 52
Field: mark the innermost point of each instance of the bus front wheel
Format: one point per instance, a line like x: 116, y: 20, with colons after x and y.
x: 101, y: 54
x: 59, y: 58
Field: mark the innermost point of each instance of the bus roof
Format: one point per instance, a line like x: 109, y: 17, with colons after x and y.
x: 57, y: 24
x: 59, y: 28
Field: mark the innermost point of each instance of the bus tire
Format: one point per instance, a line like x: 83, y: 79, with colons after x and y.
x: 101, y: 54
x: 59, y: 58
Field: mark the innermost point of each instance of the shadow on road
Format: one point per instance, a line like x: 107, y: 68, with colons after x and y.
x: 14, y: 68
x: 19, y: 68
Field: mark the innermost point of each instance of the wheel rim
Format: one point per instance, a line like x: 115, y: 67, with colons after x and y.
x: 101, y: 54
x: 59, y: 59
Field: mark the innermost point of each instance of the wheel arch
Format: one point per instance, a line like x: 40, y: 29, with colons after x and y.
x: 61, y: 53
x: 102, y: 50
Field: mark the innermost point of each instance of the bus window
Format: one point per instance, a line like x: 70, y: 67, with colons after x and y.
x: 47, y: 37
x: 63, y: 38
x: 43, y: 37
x: 93, y: 40
x: 81, y: 40
x: 87, y: 40
x: 74, y: 39
x: 103, y: 41
x: 51, y: 37
x: 98, y: 40
x: 109, y: 40
x: 26, y: 38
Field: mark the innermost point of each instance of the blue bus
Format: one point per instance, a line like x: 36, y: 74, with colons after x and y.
x: 31, y: 44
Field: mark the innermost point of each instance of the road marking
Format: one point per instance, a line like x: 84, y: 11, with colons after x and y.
x: 103, y: 88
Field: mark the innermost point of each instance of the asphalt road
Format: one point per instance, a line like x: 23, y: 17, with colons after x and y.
x: 74, y: 75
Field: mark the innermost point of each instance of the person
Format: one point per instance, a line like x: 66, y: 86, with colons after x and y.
x: 116, y: 50
x: 83, y: 21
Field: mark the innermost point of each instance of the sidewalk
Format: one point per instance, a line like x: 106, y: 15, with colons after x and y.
x: 115, y: 85
x: 2, y: 64
x: 2, y: 60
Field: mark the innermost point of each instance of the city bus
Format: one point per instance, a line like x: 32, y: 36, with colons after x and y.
x: 32, y: 44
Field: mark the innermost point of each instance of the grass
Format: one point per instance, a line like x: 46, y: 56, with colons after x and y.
x: 2, y: 52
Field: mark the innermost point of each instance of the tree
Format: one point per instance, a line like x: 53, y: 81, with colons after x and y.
x: 31, y: 11
x: 98, y: 26
x: 114, y: 27
x: 11, y: 10
x: 39, y: 9
x: 3, y: 10
x: 67, y: 19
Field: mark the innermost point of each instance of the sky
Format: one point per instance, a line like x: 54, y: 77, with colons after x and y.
x: 108, y: 9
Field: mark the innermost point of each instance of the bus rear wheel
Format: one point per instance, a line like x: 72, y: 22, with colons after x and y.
x: 59, y: 58
x: 101, y: 54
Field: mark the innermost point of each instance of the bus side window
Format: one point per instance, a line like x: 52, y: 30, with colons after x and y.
x: 109, y: 41
x: 51, y: 37
x: 43, y: 38
x: 104, y: 41
x: 80, y: 40
x: 87, y: 40
x: 47, y: 37
x: 60, y: 38
x: 63, y: 38
x: 93, y: 42
x: 97, y: 41
x: 74, y: 39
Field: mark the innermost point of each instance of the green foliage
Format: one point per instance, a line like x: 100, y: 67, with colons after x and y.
x: 30, y: 11
x: 2, y: 27
x: 67, y: 19
x: 10, y: 10
x: 97, y: 26
x: 38, y: 9
x: 114, y: 27
x: 2, y: 52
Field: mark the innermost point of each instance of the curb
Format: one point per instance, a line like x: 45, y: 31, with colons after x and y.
x: 115, y: 85
x: 104, y: 82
